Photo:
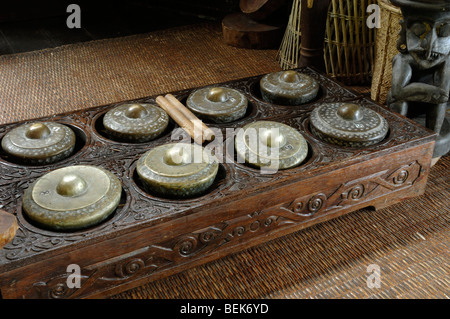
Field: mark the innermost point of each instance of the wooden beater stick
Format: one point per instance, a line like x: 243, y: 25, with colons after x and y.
x: 181, y: 120
x: 209, y: 134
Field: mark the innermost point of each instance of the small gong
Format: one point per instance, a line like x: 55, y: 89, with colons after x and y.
x: 39, y: 142
x: 135, y: 122
x: 218, y: 104
x: 288, y: 88
x: 72, y: 197
x: 177, y: 170
x: 348, y: 124
x: 271, y: 144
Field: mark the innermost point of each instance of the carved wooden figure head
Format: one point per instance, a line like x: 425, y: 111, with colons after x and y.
x: 425, y: 33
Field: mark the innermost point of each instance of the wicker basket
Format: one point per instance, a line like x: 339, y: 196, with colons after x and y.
x: 349, y: 45
x: 386, y: 49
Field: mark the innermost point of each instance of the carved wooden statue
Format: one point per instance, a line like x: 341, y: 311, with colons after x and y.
x: 421, y: 71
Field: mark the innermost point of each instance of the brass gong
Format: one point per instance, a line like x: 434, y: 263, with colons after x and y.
x: 271, y: 144
x: 135, y: 122
x: 72, y: 198
x: 177, y: 170
x: 348, y: 124
x: 39, y: 142
x: 288, y: 88
x: 218, y: 104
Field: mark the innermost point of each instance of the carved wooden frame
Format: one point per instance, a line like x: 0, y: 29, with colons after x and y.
x: 150, y: 237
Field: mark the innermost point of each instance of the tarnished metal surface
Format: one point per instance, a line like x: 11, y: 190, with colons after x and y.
x: 136, y: 122
x: 271, y: 144
x: 218, y: 104
x: 39, y: 142
x: 348, y: 124
x: 177, y: 169
x: 288, y: 88
x: 72, y: 197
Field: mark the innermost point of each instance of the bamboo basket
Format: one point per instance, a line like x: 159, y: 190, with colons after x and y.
x: 386, y: 48
x: 349, y: 48
x: 349, y: 45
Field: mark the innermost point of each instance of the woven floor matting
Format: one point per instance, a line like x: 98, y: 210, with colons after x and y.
x: 409, y: 241
x: 74, y: 77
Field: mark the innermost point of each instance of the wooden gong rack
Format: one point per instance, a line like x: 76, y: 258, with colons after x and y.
x: 149, y: 237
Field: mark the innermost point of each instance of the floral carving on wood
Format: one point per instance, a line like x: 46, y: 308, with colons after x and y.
x: 197, y: 244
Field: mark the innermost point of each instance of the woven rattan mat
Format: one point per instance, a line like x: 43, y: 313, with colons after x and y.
x: 74, y: 77
x: 409, y: 241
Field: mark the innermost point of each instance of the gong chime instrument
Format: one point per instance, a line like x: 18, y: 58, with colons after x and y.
x: 323, y: 143
x: 80, y: 196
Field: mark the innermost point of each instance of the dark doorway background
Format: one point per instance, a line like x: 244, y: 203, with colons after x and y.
x: 27, y: 26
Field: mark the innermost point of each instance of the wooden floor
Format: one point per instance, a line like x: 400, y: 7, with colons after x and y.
x: 25, y: 32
